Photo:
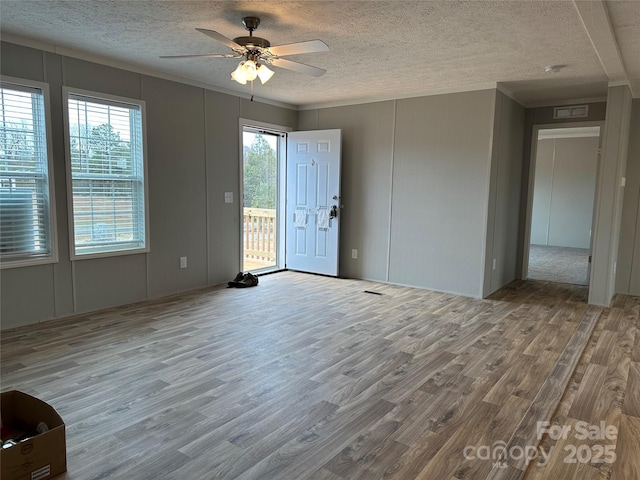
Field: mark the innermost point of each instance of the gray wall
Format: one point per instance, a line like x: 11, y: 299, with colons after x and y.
x: 543, y: 183
x: 416, y: 190
x: 609, y: 196
x: 503, y: 218
x: 193, y: 158
x: 415, y: 183
x: 430, y: 190
x: 628, y: 275
x: 367, y: 154
x: 440, y: 191
x: 565, y: 183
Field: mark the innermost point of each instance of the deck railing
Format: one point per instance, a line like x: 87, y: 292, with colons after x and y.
x: 259, y: 234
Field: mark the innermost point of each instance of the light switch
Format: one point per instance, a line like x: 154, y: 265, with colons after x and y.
x: 228, y: 197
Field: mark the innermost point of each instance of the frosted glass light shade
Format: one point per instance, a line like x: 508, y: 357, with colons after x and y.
x: 239, y: 75
x: 250, y: 70
x: 264, y: 74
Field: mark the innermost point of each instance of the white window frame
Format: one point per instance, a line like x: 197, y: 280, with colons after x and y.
x: 28, y: 260
x: 105, y: 99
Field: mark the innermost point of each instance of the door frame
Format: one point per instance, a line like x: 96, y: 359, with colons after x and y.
x: 531, y: 183
x: 282, y: 131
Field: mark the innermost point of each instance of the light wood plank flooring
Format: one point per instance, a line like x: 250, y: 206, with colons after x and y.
x: 308, y: 377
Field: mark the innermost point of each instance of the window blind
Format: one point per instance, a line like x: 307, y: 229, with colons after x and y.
x: 25, y: 219
x: 107, y: 175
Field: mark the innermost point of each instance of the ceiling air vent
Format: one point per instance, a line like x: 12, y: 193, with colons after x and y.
x: 573, y: 111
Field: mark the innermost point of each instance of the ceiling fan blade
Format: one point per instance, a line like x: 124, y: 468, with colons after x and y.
x: 300, y: 47
x: 211, y: 55
x: 220, y: 38
x: 298, y: 67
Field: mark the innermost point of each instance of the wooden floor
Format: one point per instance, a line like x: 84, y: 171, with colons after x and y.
x: 308, y: 377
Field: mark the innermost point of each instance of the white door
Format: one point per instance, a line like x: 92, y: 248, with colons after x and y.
x: 313, y: 201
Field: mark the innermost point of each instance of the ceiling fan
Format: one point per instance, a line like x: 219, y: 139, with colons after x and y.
x: 258, y: 53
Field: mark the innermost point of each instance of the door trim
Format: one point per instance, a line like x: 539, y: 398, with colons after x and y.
x: 531, y: 181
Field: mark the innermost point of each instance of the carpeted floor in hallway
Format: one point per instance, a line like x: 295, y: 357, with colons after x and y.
x: 559, y: 264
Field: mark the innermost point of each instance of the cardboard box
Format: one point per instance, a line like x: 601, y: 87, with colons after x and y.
x: 37, y: 457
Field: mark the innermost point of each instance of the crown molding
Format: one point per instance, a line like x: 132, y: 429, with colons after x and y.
x: 391, y: 97
x: 89, y: 57
x: 560, y: 103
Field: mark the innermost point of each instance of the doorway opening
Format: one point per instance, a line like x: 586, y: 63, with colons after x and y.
x: 263, y: 154
x: 564, y: 172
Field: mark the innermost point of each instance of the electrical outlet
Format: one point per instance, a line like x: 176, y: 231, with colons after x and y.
x: 354, y: 253
x: 183, y: 262
x: 228, y: 197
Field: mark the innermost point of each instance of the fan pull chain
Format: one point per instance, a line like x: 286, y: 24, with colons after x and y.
x: 252, y: 90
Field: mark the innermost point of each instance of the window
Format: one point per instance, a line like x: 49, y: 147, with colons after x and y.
x: 105, y: 144
x: 27, y: 226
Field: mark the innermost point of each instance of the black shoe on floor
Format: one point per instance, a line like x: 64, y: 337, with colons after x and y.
x: 244, y: 280
x: 234, y: 282
x: 249, y: 280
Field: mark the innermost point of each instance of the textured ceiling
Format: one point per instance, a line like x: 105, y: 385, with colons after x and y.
x: 378, y: 50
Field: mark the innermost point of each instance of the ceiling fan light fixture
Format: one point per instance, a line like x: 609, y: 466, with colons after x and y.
x: 239, y: 74
x: 256, y: 53
x: 247, y: 71
x: 264, y: 73
x: 250, y: 70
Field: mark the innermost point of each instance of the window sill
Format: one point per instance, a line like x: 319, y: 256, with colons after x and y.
x: 114, y: 253
x: 27, y: 262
